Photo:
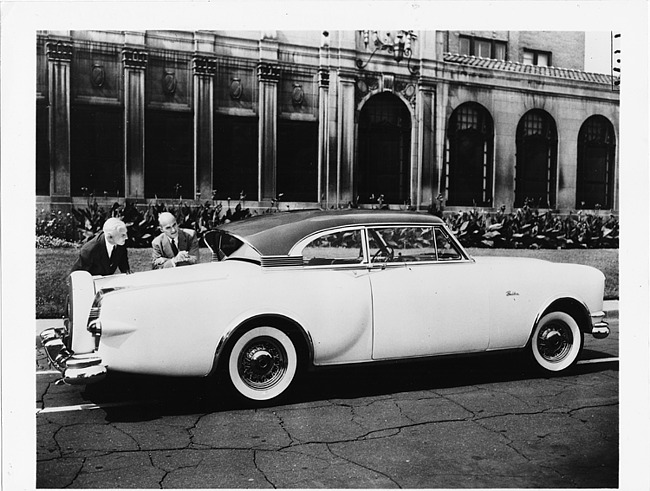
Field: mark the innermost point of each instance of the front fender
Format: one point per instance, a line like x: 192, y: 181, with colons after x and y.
x: 571, y: 305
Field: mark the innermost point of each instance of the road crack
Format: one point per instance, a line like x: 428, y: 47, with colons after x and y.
x: 329, y: 449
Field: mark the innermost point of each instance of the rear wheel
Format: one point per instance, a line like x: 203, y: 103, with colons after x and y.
x: 262, y: 363
x: 556, y: 342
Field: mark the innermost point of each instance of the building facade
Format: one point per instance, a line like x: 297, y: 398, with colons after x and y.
x: 332, y: 119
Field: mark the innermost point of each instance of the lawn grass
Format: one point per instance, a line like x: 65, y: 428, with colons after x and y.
x: 53, y: 266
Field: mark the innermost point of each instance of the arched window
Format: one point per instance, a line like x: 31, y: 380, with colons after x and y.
x: 596, y: 150
x: 536, y: 171
x: 384, y: 150
x: 468, y: 171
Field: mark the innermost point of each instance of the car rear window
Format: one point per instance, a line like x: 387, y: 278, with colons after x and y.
x: 223, y: 246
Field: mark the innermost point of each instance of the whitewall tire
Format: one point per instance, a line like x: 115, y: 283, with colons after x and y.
x: 556, y: 342
x: 262, y: 363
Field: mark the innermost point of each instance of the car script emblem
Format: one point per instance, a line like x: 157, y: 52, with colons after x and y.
x: 510, y: 293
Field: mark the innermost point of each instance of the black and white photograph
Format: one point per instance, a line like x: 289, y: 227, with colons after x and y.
x: 290, y: 245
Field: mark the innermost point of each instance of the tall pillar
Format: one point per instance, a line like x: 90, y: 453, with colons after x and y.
x: 269, y: 75
x: 345, y: 151
x: 323, y: 135
x: 204, y: 70
x: 59, y: 60
x: 135, y: 63
x: 427, y: 175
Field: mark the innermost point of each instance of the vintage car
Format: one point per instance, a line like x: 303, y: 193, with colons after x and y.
x: 291, y: 291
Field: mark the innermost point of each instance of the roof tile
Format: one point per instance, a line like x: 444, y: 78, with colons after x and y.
x: 550, y: 71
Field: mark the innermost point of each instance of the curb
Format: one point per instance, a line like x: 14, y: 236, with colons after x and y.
x: 609, y: 306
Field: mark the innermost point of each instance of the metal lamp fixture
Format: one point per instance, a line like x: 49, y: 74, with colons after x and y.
x: 398, y: 44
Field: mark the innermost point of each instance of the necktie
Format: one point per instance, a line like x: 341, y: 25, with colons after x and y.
x: 174, y: 248
x: 111, y: 259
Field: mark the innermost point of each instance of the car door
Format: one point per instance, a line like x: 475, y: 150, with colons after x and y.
x: 428, y: 297
x: 334, y: 289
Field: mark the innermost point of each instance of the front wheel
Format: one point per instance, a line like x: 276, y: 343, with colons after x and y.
x: 262, y: 363
x: 556, y: 342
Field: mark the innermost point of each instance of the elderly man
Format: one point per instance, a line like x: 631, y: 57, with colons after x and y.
x: 175, y: 246
x: 105, y: 252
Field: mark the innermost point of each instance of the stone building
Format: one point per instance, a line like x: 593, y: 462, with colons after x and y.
x: 325, y: 119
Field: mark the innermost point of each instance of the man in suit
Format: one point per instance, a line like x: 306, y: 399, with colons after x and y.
x: 105, y: 252
x: 175, y: 246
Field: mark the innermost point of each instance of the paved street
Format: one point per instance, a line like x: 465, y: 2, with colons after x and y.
x: 473, y: 422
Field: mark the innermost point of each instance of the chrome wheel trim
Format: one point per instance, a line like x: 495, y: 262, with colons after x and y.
x: 262, y: 363
x: 556, y: 342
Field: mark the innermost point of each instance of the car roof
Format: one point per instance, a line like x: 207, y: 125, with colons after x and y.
x: 274, y: 234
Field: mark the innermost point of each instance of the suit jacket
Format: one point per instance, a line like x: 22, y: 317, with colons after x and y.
x: 93, y: 257
x: 162, y: 254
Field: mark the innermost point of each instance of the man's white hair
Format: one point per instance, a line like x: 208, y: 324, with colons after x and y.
x: 112, y: 225
x: 165, y: 217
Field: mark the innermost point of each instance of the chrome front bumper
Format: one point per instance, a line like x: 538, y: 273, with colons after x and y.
x: 75, y: 369
x: 599, y: 328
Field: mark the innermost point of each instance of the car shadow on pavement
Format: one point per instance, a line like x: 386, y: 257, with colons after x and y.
x: 151, y: 397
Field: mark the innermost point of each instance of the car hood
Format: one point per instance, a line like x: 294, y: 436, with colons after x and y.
x: 527, y: 265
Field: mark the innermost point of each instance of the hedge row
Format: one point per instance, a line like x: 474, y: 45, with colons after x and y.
x: 531, y: 229
x: 525, y: 227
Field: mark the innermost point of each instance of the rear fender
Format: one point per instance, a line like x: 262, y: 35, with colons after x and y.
x: 289, y: 326
x: 82, y: 294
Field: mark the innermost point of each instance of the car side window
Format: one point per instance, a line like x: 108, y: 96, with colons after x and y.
x: 446, y: 248
x: 401, y: 244
x: 343, y: 247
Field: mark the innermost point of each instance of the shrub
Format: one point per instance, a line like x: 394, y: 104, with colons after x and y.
x: 57, y: 225
x: 80, y: 225
x: 528, y: 228
x: 49, y: 242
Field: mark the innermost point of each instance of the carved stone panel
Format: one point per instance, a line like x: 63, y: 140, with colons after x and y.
x: 96, y: 72
x: 169, y: 80
x: 298, y: 93
x: 236, y: 88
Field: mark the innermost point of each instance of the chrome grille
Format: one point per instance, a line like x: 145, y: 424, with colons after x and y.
x: 282, y: 262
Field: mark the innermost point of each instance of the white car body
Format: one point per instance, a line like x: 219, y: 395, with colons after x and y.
x: 179, y: 321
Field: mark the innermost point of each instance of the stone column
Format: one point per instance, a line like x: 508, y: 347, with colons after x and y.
x: 269, y: 75
x: 135, y: 63
x: 427, y: 174
x: 323, y: 135
x: 59, y: 59
x: 204, y: 70
x: 345, y: 130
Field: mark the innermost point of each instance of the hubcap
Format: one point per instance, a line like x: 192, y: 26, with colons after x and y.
x: 554, y: 342
x: 262, y: 363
